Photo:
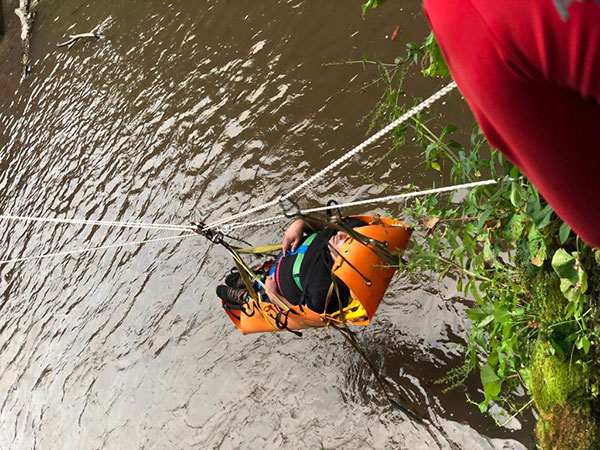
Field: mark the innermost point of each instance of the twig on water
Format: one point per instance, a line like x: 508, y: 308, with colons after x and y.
x: 75, y: 37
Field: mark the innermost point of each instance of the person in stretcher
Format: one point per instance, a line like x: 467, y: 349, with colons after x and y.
x: 302, y: 273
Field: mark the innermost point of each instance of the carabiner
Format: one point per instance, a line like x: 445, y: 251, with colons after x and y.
x: 284, y: 211
x: 330, y: 212
x: 200, y: 227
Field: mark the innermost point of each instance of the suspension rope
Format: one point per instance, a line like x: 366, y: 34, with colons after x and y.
x: 236, y: 226
x: 155, y: 226
x: 225, y: 229
x: 142, y: 225
x: 389, y: 128
x: 92, y: 249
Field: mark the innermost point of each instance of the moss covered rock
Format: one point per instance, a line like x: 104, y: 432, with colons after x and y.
x: 554, y: 381
x: 568, y: 427
x: 561, y: 391
x: 542, y: 290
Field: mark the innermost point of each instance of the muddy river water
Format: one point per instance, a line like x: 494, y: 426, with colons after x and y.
x: 190, y: 109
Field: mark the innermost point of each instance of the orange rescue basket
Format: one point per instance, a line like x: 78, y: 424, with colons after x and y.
x: 366, y: 293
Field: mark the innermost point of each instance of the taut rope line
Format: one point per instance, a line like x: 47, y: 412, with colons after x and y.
x: 228, y: 228
x: 105, y: 223
x: 389, y: 128
x: 92, y: 249
x: 152, y: 226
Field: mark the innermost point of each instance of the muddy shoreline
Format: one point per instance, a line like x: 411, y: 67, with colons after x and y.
x: 10, y: 49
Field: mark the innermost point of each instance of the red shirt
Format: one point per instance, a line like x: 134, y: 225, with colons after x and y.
x: 532, y: 80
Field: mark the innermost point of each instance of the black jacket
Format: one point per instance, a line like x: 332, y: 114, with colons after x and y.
x: 315, y: 275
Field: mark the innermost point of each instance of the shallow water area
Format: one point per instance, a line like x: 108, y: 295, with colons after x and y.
x: 187, y: 110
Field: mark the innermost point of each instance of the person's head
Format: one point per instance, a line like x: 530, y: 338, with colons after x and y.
x: 335, y: 243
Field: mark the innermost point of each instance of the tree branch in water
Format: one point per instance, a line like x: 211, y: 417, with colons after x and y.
x: 25, y: 12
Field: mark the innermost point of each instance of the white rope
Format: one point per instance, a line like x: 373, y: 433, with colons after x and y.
x: 155, y: 226
x: 92, y: 249
x: 389, y: 128
x: 149, y: 226
x: 226, y: 229
x: 275, y: 219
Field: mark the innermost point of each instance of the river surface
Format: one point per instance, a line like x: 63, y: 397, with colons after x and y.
x: 190, y: 109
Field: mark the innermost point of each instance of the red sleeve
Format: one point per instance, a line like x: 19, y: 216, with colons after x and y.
x: 533, y: 83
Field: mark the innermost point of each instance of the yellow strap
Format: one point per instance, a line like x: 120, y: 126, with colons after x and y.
x: 259, y: 250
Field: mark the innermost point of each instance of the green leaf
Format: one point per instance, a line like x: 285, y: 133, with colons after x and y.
x: 569, y: 309
x: 491, y: 382
x: 493, y: 357
x: 436, y: 166
x: 437, y: 65
x: 583, y: 279
x: 370, y: 4
x: 515, y: 226
x: 454, y: 144
x: 475, y: 293
x: 476, y: 314
x: 556, y: 348
x: 489, y: 210
x: 488, y: 254
x: 564, y: 232
x: 585, y: 344
x: 448, y: 129
x: 514, y: 172
x: 542, y: 218
x: 478, y: 264
x: 481, y: 339
x: 537, y: 247
x: 564, y: 266
x: 501, y: 313
x: 489, y: 319
x: 518, y: 195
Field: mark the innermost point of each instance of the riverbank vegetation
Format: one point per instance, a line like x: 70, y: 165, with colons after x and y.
x: 535, y: 332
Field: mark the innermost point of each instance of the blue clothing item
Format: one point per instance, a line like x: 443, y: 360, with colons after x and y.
x: 299, y: 251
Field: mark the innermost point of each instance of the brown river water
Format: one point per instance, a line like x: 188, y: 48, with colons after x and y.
x: 185, y: 110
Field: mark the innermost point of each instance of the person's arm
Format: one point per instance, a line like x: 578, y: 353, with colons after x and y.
x: 273, y: 292
x: 293, y: 236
